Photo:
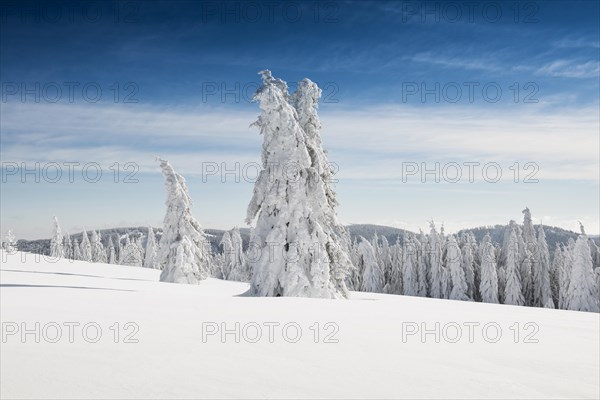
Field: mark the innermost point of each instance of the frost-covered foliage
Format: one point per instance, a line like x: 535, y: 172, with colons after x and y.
x: 410, y: 272
x: 239, y: 270
x: 183, y: 253
x: 67, y: 246
x: 226, y: 264
x: 98, y: 252
x: 542, y: 292
x: 468, y: 263
x: 372, y: 279
x: 151, y: 249
x: 512, y: 290
x: 489, y: 278
x: 10, y: 242
x: 435, y: 263
x: 582, y: 294
x: 529, y: 257
x: 453, y: 264
x: 76, y: 250
x: 56, y: 243
x: 112, y: 256
x: 85, y: 247
x: 304, y: 250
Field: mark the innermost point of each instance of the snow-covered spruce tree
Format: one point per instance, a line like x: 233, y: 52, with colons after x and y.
x: 294, y: 214
x: 410, y: 274
x: 435, y: 257
x: 420, y: 246
x: 239, y: 269
x: 253, y: 250
x: 396, y: 277
x: 338, y: 243
x: 555, y: 271
x: 582, y: 293
x: 488, y: 286
x: 151, y: 248
x: 183, y: 253
x: 595, y: 254
x: 76, y: 250
x: 56, y: 243
x: 68, y: 246
x: 530, y: 240
x: 112, y: 257
x: 355, y: 277
x: 542, y: 295
x: 98, y: 252
x: 228, y: 256
x: 457, y: 274
x: 568, y: 252
x: 10, y: 242
x: 512, y: 291
x: 372, y: 280
x: 468, y: 262
x: 85, y: 247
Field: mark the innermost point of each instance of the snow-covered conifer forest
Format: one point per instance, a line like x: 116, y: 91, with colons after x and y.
x: 299, y: 248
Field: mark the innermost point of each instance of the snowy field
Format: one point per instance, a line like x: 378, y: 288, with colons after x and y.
x: 369, y: 346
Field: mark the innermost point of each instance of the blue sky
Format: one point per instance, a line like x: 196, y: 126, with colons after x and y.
x: 404, y: 82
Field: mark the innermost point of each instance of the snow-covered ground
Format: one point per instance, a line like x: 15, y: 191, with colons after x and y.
x: 364, y: 348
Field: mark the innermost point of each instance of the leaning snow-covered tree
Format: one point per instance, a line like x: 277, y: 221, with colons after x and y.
x: 151, y: 247
x: 304, y: 251
x: 56, y: 243
x: 183, y: 252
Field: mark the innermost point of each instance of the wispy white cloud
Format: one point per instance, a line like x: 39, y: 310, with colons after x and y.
x: 367, y: 142
x: 571, y: 69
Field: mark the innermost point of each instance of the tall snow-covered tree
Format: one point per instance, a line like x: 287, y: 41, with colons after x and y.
x: 420, y: 245
x: 98, y: 253
x: 396, y: 278
x: 337, y: 244
x: 151, y: 248
x: 10, y: 242
x: 112, y: 257
x: 183, y: 252
x: 76, y: 250
x: 582, y: 293
x: 542, y: 291
x: 85, y: 247
x: 468, y: 263
x: 529, y: 258
x: 239, y: 270
x: 512, y: 291
x: 555, y: 272
x: 453, y: 265
x: 67, y: 246
x: 372, y: 280
x: 568, y: 252
x: 56, y: 243
x: 293, y: 210
x: 435, y: 257
x: 488, y: 286
x: 228, y: 255
x: 410, y: 273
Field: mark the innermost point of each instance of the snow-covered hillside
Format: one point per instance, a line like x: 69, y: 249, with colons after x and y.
x: 168, y: 345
